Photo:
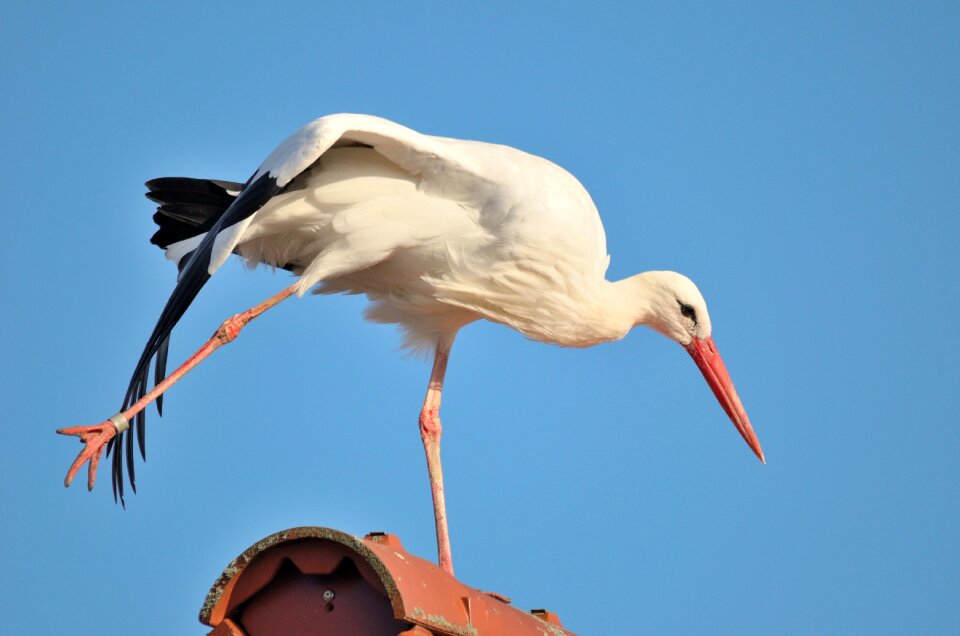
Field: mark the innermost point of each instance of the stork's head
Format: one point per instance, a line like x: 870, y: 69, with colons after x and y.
x: 671, y: 304
x: 674, y: 307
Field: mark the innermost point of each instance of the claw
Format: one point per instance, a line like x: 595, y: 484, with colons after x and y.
x: 94, y: 438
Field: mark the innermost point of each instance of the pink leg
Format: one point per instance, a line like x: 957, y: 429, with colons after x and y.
x: 430, y: 430
x: 95, y: 437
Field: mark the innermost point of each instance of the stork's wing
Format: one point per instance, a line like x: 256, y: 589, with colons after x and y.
x: 443, y: 165
x: 417, y: 153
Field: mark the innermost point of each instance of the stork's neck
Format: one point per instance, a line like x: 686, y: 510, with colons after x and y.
x: 631, y: 301
x: 608, y: 312
x: 598, y: 311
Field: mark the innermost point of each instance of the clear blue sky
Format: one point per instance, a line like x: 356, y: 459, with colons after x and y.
x: 799, y: 161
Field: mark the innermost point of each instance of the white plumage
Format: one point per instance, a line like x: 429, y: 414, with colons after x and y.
x: 438, y: 233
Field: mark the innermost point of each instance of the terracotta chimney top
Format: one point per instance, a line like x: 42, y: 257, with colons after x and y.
x: 316, y: 581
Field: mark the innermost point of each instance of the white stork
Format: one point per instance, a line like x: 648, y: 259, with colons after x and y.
x: 437, y: 233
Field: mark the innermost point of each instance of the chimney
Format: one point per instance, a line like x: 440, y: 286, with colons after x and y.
x: 318, y: 581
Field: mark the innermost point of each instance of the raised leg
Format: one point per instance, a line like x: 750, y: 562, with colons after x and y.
x: 430, y: 430
x: 96, y: 437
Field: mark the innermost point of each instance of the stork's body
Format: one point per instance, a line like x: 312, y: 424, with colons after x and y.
x: 437, y: 233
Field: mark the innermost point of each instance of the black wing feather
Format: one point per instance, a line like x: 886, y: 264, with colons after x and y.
x: 159, y: 373
x: 193, y: 276
x: 188, y: 207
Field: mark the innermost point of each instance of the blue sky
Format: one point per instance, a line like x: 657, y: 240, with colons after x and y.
x: 799, y: 161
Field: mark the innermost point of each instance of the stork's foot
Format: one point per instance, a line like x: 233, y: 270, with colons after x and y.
x: 94, y: 438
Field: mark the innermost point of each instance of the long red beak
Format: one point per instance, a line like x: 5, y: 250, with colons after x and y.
x: 705, y: 354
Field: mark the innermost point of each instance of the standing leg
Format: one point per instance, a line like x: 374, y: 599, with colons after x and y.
x: 95, y: 437
x: 430, y: 430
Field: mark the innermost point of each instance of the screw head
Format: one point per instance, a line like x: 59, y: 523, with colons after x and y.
x: 328, y: 595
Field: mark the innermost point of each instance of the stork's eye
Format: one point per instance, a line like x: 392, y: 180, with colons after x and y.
x: 688, y: 312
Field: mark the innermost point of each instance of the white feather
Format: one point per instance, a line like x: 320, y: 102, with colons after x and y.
x: 438, y: 233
